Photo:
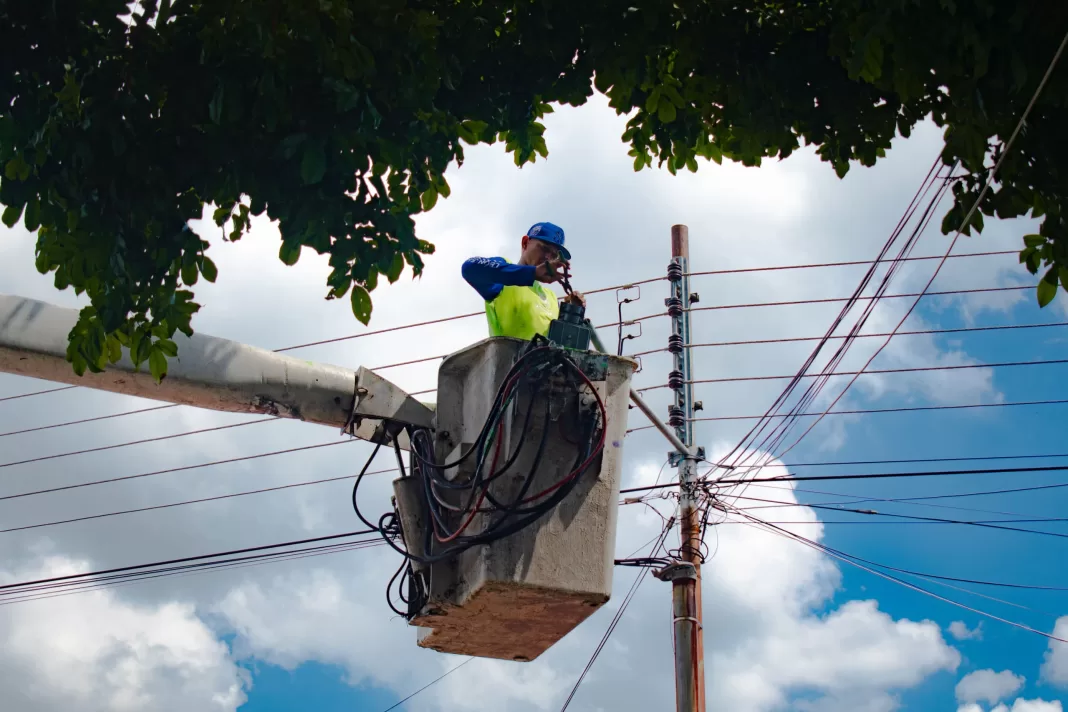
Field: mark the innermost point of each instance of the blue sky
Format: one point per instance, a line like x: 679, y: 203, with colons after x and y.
x: 317, y: 631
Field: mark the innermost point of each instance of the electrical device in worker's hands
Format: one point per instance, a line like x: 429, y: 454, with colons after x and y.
x: 570, y: 329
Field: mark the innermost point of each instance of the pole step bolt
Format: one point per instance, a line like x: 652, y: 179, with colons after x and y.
x: 674, y: 272
x: 675, y: 344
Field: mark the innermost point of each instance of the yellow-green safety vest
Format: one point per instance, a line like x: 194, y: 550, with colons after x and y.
x: 521, y: 312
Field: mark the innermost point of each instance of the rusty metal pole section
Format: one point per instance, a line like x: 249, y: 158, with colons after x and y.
x: 685, y: 575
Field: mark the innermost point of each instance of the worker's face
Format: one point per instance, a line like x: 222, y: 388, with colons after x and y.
x: 536, y: 251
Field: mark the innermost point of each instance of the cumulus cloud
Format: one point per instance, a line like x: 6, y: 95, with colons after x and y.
x: 960, y: 631
x: 784, y: 638
x: 1037, y: 705
x: 1055, y: 666
x: 762, y: 594
x: 94, y: 652
x: 988, y: 686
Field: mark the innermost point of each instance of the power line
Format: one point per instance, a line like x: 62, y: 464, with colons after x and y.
x: 37, y: 583
x: 615, y: 619
x: 200, y: 500
x: 920, y: 332
x: 194, y: 569
x: 859, y: 476
x: 851, y: 263
x: 985, y: 524
x: 856, y: 499
x: 839, y: 300
x: 36, y: 393
x: 829, y: 463
x: 136, y: 442
x: 869, y: 411
x: 1006, y: 149
x: 912, y: 369
x: 847, y: 558
x: 435, y: 681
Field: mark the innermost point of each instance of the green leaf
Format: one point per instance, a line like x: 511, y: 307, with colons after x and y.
x: 1063, y: 272
x: 396, y: 267
x: 653, y: 100
x: 11, y: 216
x: 33, y: 214
x: 313, y: 164
x: 168, y: 347
x: 221, y: 215
x: 289, y: 253
x: 1034, y: 240
x: 157, y: 364
x: 430, y: 197
x: 666, y: 112
x: 208, y: 269
x: 114, y: 349
x: 189, y: 274
x: 361, y: 304
x: 215, y: 106
x: 17, y: 168
x: 1046, y: 292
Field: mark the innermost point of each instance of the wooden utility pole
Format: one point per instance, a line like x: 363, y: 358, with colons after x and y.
x: 685, y: 577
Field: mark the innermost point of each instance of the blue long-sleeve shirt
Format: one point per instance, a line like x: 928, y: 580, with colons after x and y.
x: 489, y: 275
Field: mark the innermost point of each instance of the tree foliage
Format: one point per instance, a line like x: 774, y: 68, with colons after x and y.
x: 338, y: 119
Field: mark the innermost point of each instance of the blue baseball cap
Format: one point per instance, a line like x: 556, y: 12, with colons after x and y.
x: 553, y: 234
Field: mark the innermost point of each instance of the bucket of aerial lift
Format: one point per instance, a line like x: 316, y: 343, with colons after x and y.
x: 514, y: 598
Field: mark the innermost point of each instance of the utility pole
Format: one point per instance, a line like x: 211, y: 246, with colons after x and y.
x: 685, y: 576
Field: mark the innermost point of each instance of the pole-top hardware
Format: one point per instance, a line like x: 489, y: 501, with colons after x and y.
x: 676, y: 571
x: 674, y: 272
x: 675, y: 344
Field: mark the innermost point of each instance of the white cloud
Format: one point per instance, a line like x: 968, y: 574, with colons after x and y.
x: 960, y: 631
x: 93, y: 652
x: 988, y: 686
x: 972, y: 707
x: 785, y: 635
x: 761, y: 594
x: 1022, y: 705
x: 1055, y: 666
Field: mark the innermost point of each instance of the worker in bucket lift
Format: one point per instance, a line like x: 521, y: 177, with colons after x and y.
x: 517, y: 303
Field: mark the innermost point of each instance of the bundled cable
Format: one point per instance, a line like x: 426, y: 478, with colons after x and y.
x: 467, y: 509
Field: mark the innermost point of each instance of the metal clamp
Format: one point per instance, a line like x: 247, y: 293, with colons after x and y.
x: 351, y: 422
x: 679, y: 570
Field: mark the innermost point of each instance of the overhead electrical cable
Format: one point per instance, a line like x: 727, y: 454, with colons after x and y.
x: 846, y: 558
x: 1006, y: 150
x: 762, y: 425
x: 880, y: 371
x: 617, y: 617
x: 435, y: 681
x: 849, y: 263
x: 142, y: 441
x: 169, y: 565
x: 864, y: 411
x: 919, y: 332
x: 712, y: 484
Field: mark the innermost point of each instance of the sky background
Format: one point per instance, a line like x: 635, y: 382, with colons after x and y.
x: 787, y: 627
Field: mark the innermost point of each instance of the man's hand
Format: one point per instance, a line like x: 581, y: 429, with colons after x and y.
x: 576, y: 298
x: 550, y: 271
